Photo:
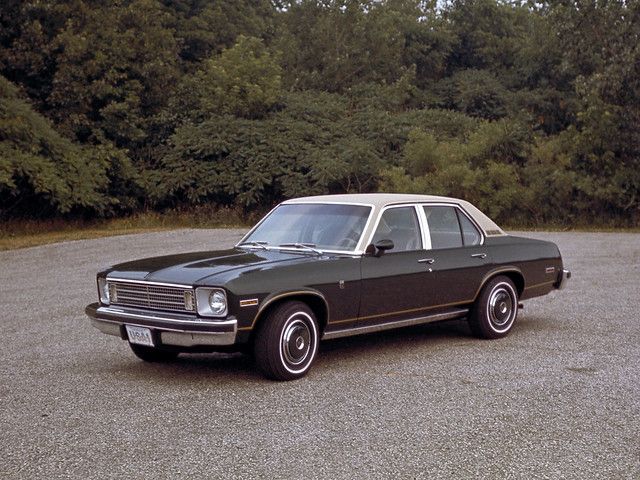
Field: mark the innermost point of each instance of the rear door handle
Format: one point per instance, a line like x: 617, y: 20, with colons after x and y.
x: 479, y: 255
x: 427, y: 260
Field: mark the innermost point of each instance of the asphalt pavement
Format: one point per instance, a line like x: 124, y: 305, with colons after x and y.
x: 558, y: 398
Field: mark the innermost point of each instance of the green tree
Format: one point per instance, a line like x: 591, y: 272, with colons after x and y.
x: 602, y: 41
x: 338, y: 44
x: 244, y: 80
x: 486, y: 34
x: 43, y: 173
x: 27, y: 48
x: 204, y: 28
x: 116, y: 68
x: 477, y: 93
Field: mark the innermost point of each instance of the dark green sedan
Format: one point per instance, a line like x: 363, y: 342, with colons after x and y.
x: 325, y: 267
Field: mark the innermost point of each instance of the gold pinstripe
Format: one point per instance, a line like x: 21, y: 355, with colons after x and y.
x: 540, y: 284
x: 398, y: 312
x: 431, y: 307
x: 284, y: 295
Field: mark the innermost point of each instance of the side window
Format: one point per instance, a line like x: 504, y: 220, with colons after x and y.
x: 443, y: 227
x: 470, y: 234
x: 400, y: 225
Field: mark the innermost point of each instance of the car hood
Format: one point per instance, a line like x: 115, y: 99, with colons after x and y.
x: 202, y: 267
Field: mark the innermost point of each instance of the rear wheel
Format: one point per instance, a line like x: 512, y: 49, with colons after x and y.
x: 495, y: 310
x: 286, y: 342
x: 152, y: 354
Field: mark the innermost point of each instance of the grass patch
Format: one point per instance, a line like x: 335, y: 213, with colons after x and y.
x: 30, y: 233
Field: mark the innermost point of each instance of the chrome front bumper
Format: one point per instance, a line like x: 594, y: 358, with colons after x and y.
x: 173, y: 329
x: 564, y: 278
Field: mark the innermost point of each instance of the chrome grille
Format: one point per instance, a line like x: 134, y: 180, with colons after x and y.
x: 150, y: 296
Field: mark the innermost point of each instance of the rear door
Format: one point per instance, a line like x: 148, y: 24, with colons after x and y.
x: 460, y: 260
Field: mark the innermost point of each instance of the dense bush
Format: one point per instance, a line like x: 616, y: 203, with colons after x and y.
x: 531, y: 110
x: 42, y: 173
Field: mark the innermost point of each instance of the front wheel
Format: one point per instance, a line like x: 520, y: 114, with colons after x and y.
x: 495, y: 310
x: 286, y: 342
x: 152, y: 354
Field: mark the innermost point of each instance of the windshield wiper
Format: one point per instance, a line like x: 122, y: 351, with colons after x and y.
x: 304, y: 246
x: 259, y: 244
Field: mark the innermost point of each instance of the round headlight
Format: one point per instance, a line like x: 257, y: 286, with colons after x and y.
x: 218, y: 302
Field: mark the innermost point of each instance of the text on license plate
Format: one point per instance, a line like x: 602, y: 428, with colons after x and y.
x: 139, y: 335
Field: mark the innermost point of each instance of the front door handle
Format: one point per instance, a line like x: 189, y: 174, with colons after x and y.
x: 479, y: 255
x: 427, y: 260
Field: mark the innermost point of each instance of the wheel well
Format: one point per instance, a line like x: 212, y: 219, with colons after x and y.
x: 314, y: 302
x: 516, y: 278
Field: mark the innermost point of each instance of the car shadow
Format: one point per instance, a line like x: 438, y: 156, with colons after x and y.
x: 237, y: 366
x: 189, y: 368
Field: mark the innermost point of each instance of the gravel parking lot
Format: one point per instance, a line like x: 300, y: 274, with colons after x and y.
x: 558, y: 398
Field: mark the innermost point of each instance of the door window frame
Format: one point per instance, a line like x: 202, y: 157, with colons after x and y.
x: 426, y: 237
x: 416, y: 209
x: 424, y: 225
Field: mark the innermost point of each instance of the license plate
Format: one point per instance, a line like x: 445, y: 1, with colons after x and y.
x: 139, y: 335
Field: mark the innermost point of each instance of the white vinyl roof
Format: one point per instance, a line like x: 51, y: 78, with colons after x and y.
x: 381, y: 200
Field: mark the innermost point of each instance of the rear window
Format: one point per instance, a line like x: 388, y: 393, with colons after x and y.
x: 450, y: 228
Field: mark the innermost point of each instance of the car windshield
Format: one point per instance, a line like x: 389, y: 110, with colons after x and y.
x: 304, y: 226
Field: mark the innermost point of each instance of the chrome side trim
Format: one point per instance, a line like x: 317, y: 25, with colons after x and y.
x: 458, y: 313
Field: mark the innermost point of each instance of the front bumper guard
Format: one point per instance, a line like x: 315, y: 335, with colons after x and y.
x: 172, y: 329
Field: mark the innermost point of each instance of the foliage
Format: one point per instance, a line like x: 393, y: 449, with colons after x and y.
x: 41, y: 172
x: 244, y: 80
x: 115, y: 68
x: 203, y: 28
x: 477, y: 93
x: 531, y: 110
x: 481, y: 168
x: 338, y: 44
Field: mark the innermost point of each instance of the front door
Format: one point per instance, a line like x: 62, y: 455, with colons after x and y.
x: 397, y: 284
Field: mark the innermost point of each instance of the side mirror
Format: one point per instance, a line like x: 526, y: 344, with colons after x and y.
x: 380, y: 247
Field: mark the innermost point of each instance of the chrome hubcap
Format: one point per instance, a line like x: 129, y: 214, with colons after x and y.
x: 296, y: 342
x: 501, y: 307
